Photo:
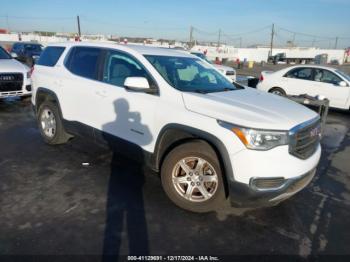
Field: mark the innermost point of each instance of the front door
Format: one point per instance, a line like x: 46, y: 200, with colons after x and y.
x: 125, y: 114
x: 327, y: 85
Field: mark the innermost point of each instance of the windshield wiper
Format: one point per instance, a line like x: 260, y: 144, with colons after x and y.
x: 222, y: 90
x: 199, y: 91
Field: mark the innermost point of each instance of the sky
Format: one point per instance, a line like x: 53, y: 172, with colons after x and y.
x: 316, y: 22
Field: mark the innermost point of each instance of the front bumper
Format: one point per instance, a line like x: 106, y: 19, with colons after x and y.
x: 244, y: 195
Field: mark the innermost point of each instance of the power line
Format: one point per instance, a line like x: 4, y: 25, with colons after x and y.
x: 304, y: 34
x: 250, y: 32
x: 205, y: 32
x: 96, y: 21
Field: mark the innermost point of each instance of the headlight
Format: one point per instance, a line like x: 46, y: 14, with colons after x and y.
x: 258, y: 139
x: 29, y: 73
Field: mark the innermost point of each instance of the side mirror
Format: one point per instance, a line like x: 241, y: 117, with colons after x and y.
x: 138, y: 84
x: 342, y: 84
x: 14, y: 55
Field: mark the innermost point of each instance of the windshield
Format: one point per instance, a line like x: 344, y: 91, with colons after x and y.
x: 36, y: 48
x: 346, y: 76
x: 190, y: 74
x: 4, y: 54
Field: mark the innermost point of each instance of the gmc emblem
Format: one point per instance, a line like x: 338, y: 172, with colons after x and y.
x: 7, y: 78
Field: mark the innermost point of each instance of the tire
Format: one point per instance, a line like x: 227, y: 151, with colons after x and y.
x: 209, y: 178
x: 49, y: 116
x: 278, y: 91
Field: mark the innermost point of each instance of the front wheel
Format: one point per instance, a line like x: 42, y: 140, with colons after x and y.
x: 191, y: 177
x: 50, y: 124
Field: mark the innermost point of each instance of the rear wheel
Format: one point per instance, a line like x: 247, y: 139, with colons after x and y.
x: 278, y: 91
x: 192, y: 178
x: 50, y: 124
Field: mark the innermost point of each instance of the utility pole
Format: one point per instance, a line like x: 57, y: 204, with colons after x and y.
x: 191, y: 35
x: 7, y: 22
x: 78, y: 21
x: 219, y: 39
x: 336, y: 43
x: 272, y: 35
x: 240, y: 42
x: 293, y: 41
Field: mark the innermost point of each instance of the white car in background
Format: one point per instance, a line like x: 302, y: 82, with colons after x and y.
x: 227, y: 71
x: 14, y: 77
x: 312, y: 80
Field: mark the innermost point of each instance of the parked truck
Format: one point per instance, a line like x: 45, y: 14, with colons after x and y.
x: 285, y: 58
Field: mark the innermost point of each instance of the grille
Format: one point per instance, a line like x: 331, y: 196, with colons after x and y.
x: 305, y: 139
x: 11, y: 82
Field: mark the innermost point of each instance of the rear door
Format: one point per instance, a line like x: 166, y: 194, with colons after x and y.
x: 298, y: 81
x: 327, y: 84
x: 79, y: 87
x: 46, y: 72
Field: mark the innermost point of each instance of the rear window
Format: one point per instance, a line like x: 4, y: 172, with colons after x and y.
x: 82, y: 61
x: 50, y: 56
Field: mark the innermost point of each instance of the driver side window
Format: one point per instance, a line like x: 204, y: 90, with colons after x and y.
x: 119, y: 66
x: 326, y: 76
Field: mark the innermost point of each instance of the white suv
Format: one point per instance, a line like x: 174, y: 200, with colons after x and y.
x: 14, y: 77
x: 210, y: 139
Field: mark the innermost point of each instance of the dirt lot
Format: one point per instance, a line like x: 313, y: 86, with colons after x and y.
x: 51, y: 204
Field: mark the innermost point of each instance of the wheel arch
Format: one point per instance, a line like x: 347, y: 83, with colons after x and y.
x: 43, y: 94
x: 173, y: 135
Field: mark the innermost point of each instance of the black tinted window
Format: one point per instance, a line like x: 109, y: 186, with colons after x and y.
x: 50, y: 56
x: 300, y: 73
x: 83, y: 61
x: 31, y: 47
x: 15, y: 47
x: 4, y: 54
x: 326, y: 76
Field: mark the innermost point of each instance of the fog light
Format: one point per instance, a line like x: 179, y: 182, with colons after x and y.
x: 29, y: 88
x: 267, y: 183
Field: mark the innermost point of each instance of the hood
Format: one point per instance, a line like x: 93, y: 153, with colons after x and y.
x: 12, y: 66
x: 250, y: 108
x: 222, y: 67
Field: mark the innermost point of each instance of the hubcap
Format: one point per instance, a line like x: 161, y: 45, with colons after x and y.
x: 276, y: 92
x: 48, y: 123
x: 195, y: 179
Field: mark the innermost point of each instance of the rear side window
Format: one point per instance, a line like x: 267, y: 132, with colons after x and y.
x: 300, y: 73
x: 83, y: 61
x: 50, y: 56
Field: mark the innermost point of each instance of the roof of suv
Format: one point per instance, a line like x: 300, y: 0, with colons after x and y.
x: 141, y: 49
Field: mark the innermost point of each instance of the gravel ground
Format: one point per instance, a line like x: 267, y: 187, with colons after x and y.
x: 51, y: 204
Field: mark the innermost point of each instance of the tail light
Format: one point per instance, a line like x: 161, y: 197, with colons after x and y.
x: 261, y: 78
